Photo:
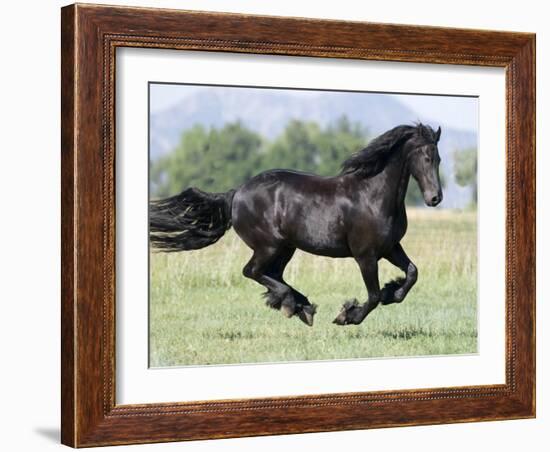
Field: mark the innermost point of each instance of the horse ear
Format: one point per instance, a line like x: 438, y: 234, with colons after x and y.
x: 438, y: 134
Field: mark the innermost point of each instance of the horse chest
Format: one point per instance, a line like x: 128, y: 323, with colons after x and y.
x: 395, y: 232
x: 398, y: 228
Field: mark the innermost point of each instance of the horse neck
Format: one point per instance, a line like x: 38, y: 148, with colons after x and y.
x: 404, y: 177
x: 392, y: 183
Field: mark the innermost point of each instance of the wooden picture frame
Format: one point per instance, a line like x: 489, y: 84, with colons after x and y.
x: 90, y: 36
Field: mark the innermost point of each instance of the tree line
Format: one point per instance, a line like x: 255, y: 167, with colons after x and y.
x: 218, y: 159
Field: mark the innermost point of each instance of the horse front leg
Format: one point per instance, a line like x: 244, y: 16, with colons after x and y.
x: 396, y: 291
x: 352, y: 312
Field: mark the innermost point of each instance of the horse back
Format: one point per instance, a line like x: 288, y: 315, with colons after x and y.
x: 293, y: 209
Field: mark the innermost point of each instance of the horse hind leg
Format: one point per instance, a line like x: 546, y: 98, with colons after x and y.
x: 267, y: 267
x: 263, y: 268
x: 296, y: 304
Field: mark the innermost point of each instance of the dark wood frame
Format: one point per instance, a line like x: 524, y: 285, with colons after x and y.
x: 90, y: 34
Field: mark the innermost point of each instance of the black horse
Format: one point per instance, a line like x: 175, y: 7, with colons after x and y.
x: 359, y: 213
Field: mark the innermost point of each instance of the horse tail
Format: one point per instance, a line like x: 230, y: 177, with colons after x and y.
x: 191, y: 220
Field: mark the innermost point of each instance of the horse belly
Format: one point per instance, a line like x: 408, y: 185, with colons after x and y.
x: 321, y: 233
x: 330, y: 250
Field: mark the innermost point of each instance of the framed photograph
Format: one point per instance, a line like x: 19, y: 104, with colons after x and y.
x: 282, y: 225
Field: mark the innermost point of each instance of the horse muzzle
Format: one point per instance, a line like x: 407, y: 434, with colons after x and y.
x: 433, y: 201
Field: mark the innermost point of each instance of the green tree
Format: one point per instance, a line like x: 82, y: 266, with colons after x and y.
x: 296, y: 148
x: 337, y: 142
x: 465, y: 170
x: 213, y: 160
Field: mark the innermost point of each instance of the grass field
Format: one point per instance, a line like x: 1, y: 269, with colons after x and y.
x: 203, y: 311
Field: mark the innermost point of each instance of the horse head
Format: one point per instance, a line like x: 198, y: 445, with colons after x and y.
x: 417, y: 144
x: 423, y: 156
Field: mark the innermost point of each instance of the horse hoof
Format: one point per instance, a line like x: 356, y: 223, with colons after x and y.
x: 345, y: 316
x: 306, y: 314
x: 340, y: 320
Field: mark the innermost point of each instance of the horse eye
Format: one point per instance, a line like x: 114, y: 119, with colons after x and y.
x: 427, y: 159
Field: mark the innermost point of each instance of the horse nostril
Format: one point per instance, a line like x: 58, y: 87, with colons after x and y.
x: 435, y: 200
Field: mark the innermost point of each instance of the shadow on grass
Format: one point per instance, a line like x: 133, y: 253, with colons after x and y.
x: 228, y: 335
x: 408, y: 333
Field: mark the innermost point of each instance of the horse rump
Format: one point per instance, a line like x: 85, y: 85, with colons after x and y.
x: 191, y: 220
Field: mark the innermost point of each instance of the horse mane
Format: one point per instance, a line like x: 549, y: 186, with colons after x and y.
x: 373, y: 159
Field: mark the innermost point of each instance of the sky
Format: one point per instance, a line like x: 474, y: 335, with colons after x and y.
x: 460, y: 112
x: 457, y: 112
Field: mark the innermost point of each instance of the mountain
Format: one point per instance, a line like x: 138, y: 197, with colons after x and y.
x: 268, y: 111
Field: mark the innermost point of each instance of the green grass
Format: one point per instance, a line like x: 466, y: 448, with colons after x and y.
x: 203, y: 311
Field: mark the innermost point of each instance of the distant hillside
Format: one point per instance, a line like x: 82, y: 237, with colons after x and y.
x: 268, y: 111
